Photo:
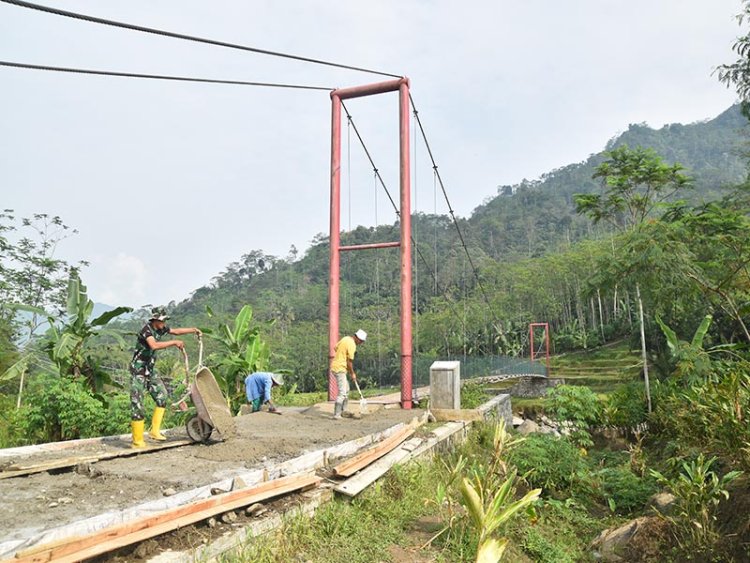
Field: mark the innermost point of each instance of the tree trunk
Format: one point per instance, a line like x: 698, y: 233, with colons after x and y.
x: 20, y: 390
x: 643, y: 345
x: 630, y: 309
x: 601, y: 316
x: 614, y: 304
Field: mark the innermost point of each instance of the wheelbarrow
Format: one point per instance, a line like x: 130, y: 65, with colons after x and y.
x: 212, y: 411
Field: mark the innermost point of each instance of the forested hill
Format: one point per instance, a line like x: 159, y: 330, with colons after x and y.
x: 535, y: 219
x: 505, y: 235
x: 541, y: 213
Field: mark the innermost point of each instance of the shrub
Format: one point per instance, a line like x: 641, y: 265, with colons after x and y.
x: 626, y: 406
x: 711, y: 415
x: 544, y: 550
x: 13, y: 424
x: 62, y: 408
x: 698, y: 490
x: 118, y: 415
x: 578, y: 405
x: 473, y: 395
x: 622, y: 490
x: 553, y: 464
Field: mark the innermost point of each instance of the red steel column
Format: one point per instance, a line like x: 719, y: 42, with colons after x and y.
x: 546, y: 337
x: 406, y: 303
x: 335, y: 240
x: 531, y: 338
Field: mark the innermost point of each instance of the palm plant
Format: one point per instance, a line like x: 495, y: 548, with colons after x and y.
x: 245, y: 352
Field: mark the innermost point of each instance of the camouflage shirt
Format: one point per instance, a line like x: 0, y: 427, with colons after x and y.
x: 143, y: 353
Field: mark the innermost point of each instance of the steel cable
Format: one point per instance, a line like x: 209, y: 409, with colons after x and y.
x: 158, y: 76
x: 450, y: 210
x: 173, y: 35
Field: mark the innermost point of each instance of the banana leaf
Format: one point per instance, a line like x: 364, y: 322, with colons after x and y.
x: 16, y: 369
x: 104, y: 318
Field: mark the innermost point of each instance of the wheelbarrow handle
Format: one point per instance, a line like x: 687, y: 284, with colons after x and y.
x: 187, y: 367
x: 200, y: 350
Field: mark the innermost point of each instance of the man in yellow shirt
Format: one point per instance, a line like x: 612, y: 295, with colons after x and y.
x: 343, y: 362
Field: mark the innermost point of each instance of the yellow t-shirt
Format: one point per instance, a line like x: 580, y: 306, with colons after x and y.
x: 345, y: 350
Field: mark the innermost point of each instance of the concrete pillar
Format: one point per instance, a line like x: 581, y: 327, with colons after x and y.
x: 445, y: 385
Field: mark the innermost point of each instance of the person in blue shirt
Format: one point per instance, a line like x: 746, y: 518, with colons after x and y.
x: 258, y: 388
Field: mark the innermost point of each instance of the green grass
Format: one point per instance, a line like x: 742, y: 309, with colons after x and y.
x: 562, y: 534
x: 473, y: 395
x: 393, y: 512
x: 359, y: 531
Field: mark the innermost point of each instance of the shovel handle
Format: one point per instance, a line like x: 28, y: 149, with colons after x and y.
x: 361, y: 396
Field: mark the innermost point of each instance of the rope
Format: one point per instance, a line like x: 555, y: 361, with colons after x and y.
x: 157, y: 76
x: 450, y: 210
x: 173, y: 35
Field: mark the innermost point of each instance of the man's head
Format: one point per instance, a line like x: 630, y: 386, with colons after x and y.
x: 158, y: 317
x: 277, y: 379
x: 360, y: 336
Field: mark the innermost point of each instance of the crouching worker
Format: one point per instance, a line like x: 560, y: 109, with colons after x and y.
x: 258, y: 387
x: 144, y: 378
x: 343, y: 362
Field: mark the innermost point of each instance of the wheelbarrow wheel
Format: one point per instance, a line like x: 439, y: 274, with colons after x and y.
x: 198, y: 429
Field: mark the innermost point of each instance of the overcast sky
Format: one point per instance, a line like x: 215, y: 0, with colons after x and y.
x: 169, y: 182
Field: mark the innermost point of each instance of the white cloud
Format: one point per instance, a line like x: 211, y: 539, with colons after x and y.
x: 125, y: 279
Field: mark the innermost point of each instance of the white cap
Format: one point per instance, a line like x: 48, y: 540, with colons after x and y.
x: 361, y: 334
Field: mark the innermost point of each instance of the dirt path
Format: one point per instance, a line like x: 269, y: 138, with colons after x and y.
x: 37, y: 502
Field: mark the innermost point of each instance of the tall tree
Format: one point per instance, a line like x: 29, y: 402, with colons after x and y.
x: 635, y: 182
x: 737, y: 74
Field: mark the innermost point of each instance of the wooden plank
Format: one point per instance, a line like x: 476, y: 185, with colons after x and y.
x: 59, y: 446
x: 115, y: 537
x: 355, y: 485
x: 20, y: 470
x: 351, y: 466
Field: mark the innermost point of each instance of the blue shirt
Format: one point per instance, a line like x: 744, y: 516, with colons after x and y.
x: 258, y: 384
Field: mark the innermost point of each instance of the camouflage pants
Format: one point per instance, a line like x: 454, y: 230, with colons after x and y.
x: 144, y: 378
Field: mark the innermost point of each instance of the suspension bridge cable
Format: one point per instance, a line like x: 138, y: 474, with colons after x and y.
x: 450, y: 209
x: 174, y: 35
x: 395, y: 208
x: 157, y: 76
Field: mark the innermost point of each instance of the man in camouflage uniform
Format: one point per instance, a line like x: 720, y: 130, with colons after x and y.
x: 144, y: 378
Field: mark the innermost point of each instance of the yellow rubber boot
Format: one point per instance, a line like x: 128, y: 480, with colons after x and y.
x: 154, y: 433
x: 137, y: 428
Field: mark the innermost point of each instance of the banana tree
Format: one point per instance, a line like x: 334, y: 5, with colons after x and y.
x: 693, y: 362
x: 67, y: 338
x: 244, y: 352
